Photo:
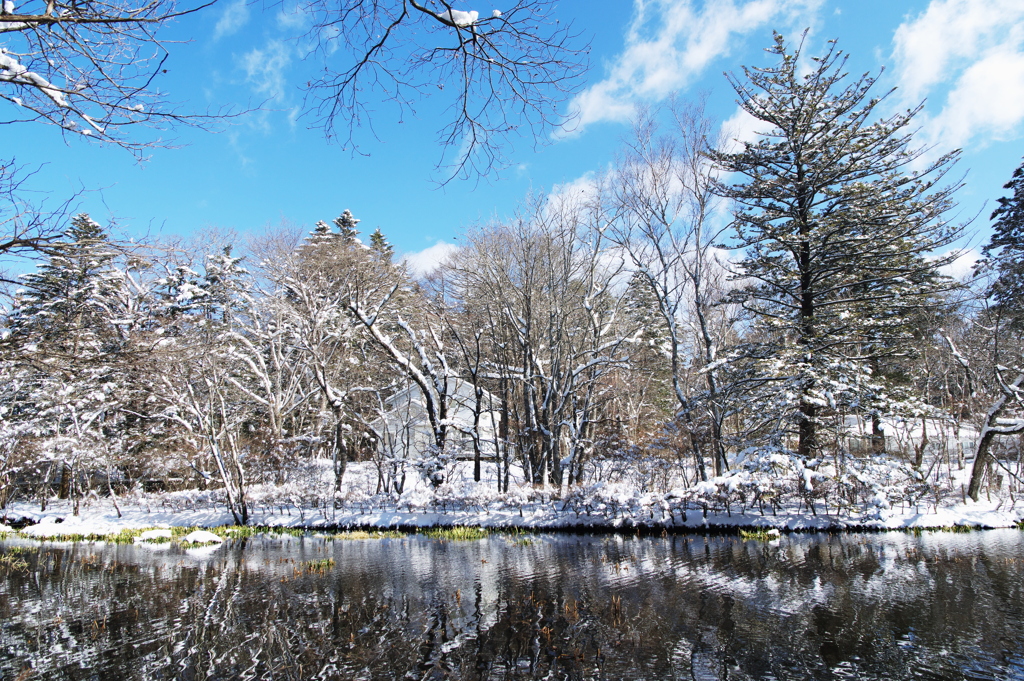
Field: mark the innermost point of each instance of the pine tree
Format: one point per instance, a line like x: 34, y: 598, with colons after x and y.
x: 652, y: 350
x: 346, y: 223
x: 221, y: 285
x: 1004, y: 252
x: 835, y: 228
x: 640, y: 304
x: 321, y: 233
x: 67, y: 303
x: 67, y: 325
x: 380, y: 245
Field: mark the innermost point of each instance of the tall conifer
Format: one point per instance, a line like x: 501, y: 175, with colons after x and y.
x: 1005, y: 251
x: 836, y: 227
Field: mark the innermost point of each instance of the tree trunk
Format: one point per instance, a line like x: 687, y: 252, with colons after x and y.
x: 921, y: 446
x: 340, y: 456
x: 981, y: 456
x: 808, y: 433
x: 877, y: 435
x: 988, y: 432
x: 64, y: 490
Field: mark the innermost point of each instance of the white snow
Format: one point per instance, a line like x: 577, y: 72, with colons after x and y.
x: 95, y: 126
x: 201, y: 537
x: 13, y: 71
x: 150, y: 535
x: 461, y: 501
x: 459, y: 18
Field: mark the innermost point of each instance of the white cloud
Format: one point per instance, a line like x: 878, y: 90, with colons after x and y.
x: 962, y: 266
x: 582, y: 188
x: 292, y: 16
x: 987, y: 100
x: 233, y: 18
x: 671, y: 42
x: 426, y: 261
x: 741, y: 127
x: 264, y: 68
x: 971, y: 51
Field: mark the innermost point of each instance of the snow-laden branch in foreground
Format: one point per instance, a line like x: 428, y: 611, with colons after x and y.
x: 458, y: 18
x: 12, y: 71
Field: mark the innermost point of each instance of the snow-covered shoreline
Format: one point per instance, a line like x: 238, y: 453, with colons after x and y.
x: 100, y: 518
x: 739, y: 501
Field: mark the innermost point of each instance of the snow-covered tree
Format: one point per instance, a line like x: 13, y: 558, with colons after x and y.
x: 71, y: 327
x: 346, y: 223
x: 90, y: 69
x: 66, y: 303
x: 994, y: 367
x: 663, y: 187
x: 543, y: 285
x: 836, y: 228
x: 314, y: 285
x: 202, y: 368
x: 380, y: 244
x: 1004, y: 253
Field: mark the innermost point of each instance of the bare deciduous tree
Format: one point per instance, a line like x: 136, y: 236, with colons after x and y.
x: 89, y: 68
x: 664, y: 187
x: 544, y: 284
x: 26, y: 227
x: 501, y: 74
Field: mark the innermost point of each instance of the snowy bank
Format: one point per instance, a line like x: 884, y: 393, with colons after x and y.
x: 628, y: 514
x: 793, y: 497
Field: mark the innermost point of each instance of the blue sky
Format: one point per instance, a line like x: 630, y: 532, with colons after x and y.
x: 965, y: 58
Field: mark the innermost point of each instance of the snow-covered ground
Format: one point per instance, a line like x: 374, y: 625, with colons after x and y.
x: 771, y: 491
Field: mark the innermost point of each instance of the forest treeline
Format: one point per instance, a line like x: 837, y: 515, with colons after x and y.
x: 706, y: 304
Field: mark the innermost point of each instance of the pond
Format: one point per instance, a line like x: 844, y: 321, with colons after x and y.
x: 807, y: 606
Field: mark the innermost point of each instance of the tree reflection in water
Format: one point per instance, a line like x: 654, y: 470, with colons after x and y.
x: 550, y: 607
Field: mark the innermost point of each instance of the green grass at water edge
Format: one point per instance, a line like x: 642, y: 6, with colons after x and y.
x: 954, y: 529
x: 239, y: 531
x: 361, y: 534
x: 129, y: 535
x: 457, y: 533
x: 760, y: 534
x: 125, y: 536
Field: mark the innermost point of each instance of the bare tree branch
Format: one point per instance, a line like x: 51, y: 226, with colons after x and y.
x: 27, y: 227
x: 90, y: 68
x: 502, y: 75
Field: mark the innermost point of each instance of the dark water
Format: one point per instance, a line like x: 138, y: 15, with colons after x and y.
x: 937, y: 606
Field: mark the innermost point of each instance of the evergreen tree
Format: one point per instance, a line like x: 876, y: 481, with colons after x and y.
x: 651, y: 355
x: 835, y: 227
x: 321, y: 233
x: 640, y: 302
x: 68, y: 325
x: 68, y: 302
x: 1004, y: 252
x: 222, y: 284
x: 379, y: 243
x: 346, y: 223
